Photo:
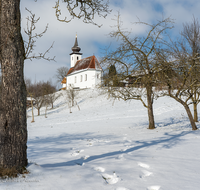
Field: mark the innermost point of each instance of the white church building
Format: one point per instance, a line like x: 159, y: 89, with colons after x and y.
x: 84, y: 73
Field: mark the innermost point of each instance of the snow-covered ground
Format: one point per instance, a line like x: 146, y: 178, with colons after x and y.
x: 107, y: 146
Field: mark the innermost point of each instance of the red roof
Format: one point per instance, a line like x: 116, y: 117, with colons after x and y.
x: 86, y: 63
x: 70, y: 70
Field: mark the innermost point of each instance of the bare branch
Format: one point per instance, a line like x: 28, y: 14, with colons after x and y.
x: 138, y: 62
x: 29, y: 45
x: 83, y: 9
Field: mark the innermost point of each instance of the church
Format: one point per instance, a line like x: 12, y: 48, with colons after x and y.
x: 84, y: 73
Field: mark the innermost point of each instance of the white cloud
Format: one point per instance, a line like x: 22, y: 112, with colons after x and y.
x: 90, y: 37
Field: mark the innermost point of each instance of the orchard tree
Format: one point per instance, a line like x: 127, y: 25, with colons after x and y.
x: 71, y: 95
x: 13, y: 126
x: 50, y: 95
x: 37, y: 92
x: 61, y: 73
x: 179, y: 76
x: 43, y: 94
x: 191, y: 46
x: 136, y: 61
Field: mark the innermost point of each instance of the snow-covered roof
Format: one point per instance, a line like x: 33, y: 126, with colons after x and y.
x: 139, y: 72
x: 29, y: 99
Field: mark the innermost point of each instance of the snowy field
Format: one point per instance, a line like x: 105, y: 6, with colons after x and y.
x: 107, y: 146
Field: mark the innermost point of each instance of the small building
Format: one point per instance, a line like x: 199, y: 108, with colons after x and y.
x: 84, y: 73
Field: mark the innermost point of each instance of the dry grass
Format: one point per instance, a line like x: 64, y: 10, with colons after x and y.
x: 12, y: 172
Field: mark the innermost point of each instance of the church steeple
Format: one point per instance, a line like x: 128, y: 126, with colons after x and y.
x: 75, y: 55
x: 76, y: 48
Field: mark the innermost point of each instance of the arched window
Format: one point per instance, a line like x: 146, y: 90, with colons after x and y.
x: 75, y: 80
x: 81, y: 78
x: 72, y: 58
x: 77, y: 57
x: 85, y: 77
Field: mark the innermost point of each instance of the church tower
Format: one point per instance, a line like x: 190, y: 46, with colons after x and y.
x: 75, y: 55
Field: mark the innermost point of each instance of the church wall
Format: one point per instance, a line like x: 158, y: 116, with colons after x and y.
x: 85, y: 79
x: 98, y: 78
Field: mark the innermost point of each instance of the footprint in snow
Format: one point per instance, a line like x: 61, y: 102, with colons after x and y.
x: 146, y: 174
x: 80, y: 163
x: 156, y: 187
x: 90, y: 144
x: 76, y: 153
x: 120, y: 157
x: 99, y: 169
x: 85, y: 157
x: 121, y: 188
x: 128, y: 141
x: 143, y: 165
x: 110, y: 179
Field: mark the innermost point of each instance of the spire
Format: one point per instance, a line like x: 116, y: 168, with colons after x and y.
x: 76, y: 48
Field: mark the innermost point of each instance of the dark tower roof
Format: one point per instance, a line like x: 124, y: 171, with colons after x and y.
x: 76, y: 48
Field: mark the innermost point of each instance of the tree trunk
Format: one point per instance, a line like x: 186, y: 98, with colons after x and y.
x: 150, y: 108
x: 195, y: 112
x: 32, y: 110
x: 45, y: 112
x: 192, y: 122
x: 187, y: 109
x: 13, y: 128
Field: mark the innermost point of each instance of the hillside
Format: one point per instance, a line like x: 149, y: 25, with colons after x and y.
x: 107, y: 146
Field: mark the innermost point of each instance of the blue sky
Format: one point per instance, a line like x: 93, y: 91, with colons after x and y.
x: 92, y: 39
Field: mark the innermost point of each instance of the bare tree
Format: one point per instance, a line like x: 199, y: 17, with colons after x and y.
x: 32, y: 109
x: 13, y: 127
x: 28, y: 84
x: 37, y: 93
x: 191, y: 46
x: 29, y: 45
x: 85, y: 10
x: 49, y: 90
x: 43, y: 94
x: 46, y: 103
x: 177, y: 73
x: 61, y: 73
x: 136, y: 62
x: 71, y: 95
x: 52, y: 97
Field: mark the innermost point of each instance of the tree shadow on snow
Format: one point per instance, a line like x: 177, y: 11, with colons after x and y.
x: 56, y: 144
x: 168, y: 141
